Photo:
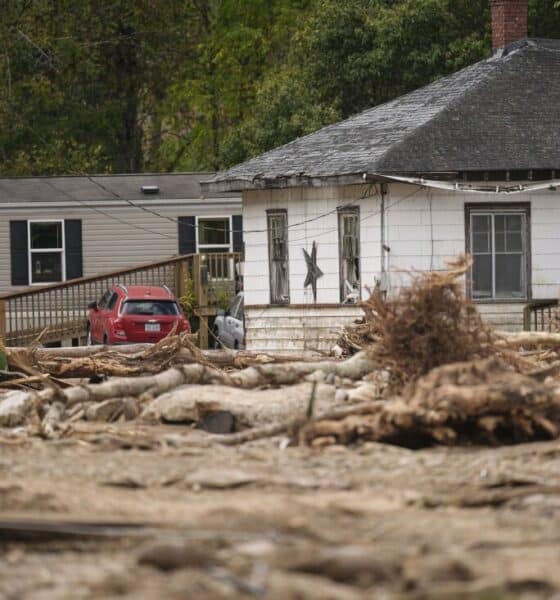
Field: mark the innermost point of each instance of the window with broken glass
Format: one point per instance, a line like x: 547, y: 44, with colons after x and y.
x: 349, y: 254
x: 278, y: 257
x: 46, y: 251
x: 498, y: 244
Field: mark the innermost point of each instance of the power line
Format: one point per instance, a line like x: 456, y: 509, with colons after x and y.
x: 369, y: 216
x: 228, y: 230
x: 111, y: 216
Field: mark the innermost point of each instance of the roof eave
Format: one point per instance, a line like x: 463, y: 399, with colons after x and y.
x: 283, y: 182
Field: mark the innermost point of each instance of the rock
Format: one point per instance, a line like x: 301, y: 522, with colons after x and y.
x: 108, y: 410
x: 14, y: 409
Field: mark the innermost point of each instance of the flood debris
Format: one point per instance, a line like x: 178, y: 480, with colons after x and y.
x: 428, y: 323
x: 475, y: 402
x: 424, y: 370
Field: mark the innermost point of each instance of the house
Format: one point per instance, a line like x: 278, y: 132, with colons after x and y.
x: 53, y: 229
x: 467, y: 163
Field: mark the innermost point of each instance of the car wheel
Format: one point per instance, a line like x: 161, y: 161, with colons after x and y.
x: 89, y: 339
x: 216, y: 344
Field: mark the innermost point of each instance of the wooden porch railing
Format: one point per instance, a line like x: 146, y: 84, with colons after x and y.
x: 538, y: 314
x: 62, y: 307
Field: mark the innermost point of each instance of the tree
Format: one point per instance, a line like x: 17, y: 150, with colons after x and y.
x: 83, y: 82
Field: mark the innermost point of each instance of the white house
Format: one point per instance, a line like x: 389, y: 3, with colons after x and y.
x: 466, y: 164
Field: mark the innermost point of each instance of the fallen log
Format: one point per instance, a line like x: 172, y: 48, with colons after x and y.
x: 528, y: 338
x: 354, y: 368
x: 249, y: 408
x: 293, y: 425
x: 148, y: 387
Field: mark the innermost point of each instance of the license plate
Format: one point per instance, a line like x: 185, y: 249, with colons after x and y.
x: 151, y: 327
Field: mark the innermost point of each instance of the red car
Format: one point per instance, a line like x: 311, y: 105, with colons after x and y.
x: 134, y: 314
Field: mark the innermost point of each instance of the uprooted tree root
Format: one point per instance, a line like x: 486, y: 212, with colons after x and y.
x: 483, y: 402
x: 427, y: 324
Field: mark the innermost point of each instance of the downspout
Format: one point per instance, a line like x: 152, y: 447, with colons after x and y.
x: 382, y: 237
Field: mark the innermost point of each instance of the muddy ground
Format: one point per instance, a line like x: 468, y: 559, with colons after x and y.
x: 128, y: 511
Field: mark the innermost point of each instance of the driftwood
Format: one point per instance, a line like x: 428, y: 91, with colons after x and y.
x: 148, y: 387
x: 528, y: 338
x: 294, y: 425
x: 136, y: 359
x: 249, y: 408
x: 475, y: 402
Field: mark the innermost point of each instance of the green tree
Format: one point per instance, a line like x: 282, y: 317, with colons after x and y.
x: 83, y: 82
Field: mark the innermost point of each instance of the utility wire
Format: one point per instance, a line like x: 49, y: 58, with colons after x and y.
x: 111, y: 216
x: 228, y: 230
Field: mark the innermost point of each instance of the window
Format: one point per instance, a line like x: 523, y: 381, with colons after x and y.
x: 150, y: 307
x: 278, y: 256
x: 214, y: 237
x: 112, y: 301
x: 349, y: 254
x: 498, y: 241
x: 46, y: 251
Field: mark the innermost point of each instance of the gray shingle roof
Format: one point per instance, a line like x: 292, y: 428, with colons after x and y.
x: 104, y: 187
x: 499, y: 114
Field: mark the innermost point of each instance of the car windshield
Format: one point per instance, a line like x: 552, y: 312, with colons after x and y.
x: 150, y: 307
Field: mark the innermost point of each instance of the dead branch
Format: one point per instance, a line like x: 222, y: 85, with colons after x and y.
x: 293, y: 425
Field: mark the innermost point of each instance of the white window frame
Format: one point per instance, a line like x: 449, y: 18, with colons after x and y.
x: 348, y: 296
x: 524, y: 252
x: 31, y: 251
x: 227, y: 247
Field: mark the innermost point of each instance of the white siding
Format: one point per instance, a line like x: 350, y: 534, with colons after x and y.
x: 296, y: 329
x: 424, y: 228
x: 108, y: 243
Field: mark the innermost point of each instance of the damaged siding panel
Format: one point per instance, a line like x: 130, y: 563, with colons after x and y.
x: 295, y: 328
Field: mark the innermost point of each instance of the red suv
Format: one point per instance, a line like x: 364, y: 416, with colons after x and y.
x: 133, y: 314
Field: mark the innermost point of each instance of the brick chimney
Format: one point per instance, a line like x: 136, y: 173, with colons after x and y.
x: 509, y: 22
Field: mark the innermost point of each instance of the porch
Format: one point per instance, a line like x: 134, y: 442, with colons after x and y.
x: 202, y: 282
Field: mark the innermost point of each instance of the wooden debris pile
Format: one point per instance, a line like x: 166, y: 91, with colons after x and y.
x: 476, y: 402
x: 427, y: 324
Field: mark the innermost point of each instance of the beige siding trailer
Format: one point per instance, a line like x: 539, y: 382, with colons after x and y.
x: 57, y: 228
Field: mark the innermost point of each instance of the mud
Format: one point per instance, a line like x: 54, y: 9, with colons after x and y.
x: 129, y: 511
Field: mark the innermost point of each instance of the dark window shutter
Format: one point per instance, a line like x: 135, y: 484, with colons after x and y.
x: 187, y: 235
x: 237, y: 226
x: 73, y: 246
x: 18, y: 247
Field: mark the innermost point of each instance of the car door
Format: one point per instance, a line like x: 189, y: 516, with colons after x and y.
x: 238, y: 331
x: 96, y: 318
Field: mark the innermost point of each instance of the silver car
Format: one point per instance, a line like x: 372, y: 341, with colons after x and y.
x: 229, y: 328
